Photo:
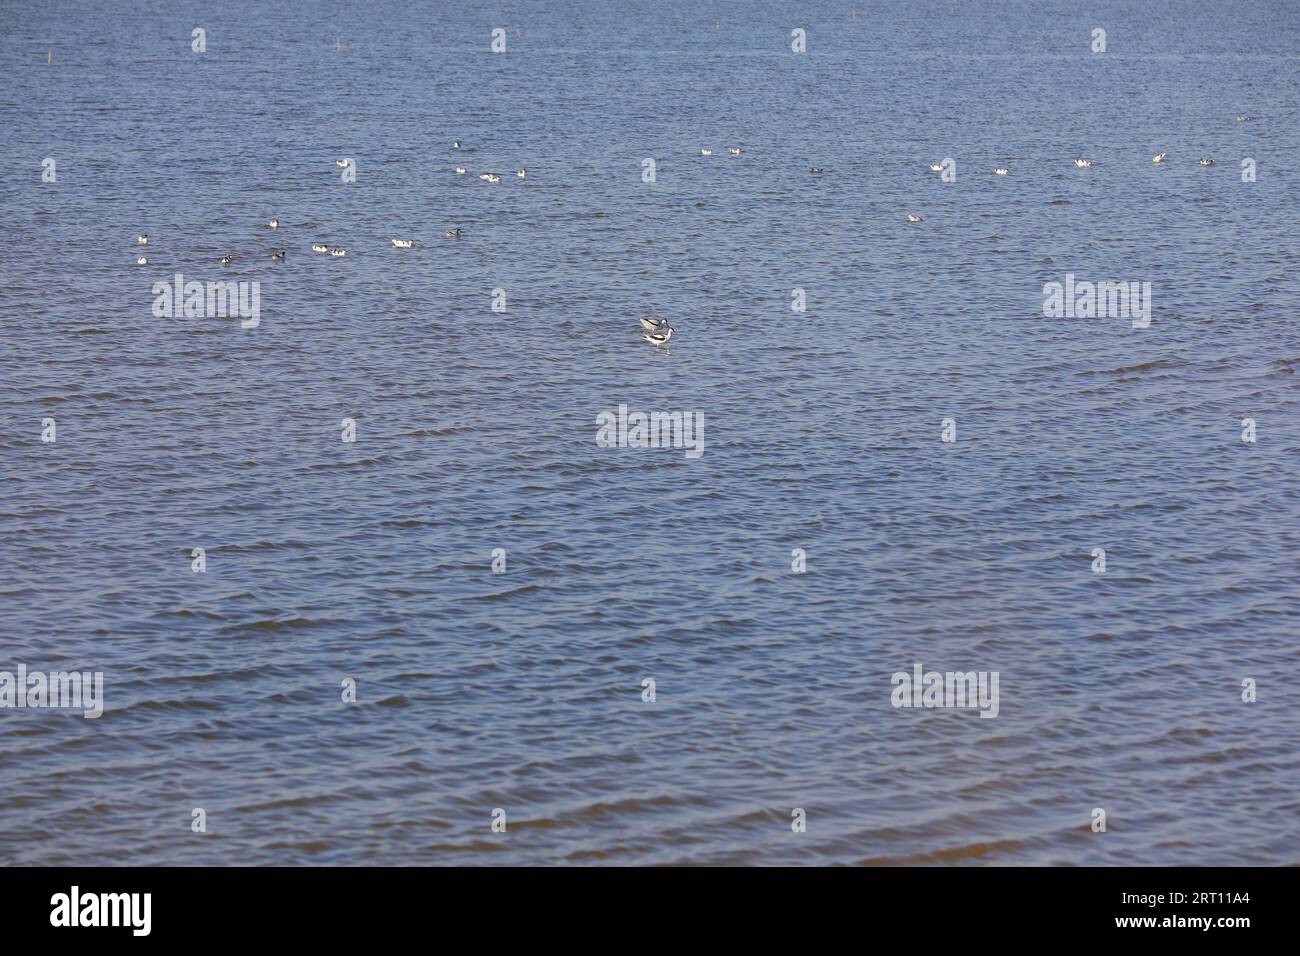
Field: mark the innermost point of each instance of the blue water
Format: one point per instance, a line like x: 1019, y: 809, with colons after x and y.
x: 476, y: 430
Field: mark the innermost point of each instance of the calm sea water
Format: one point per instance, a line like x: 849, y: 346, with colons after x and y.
x: 476, y: 431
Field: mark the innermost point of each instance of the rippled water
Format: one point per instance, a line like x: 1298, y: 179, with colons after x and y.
x: 476, y: 431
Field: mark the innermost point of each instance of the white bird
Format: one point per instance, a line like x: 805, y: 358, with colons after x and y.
x: 521, y: 173
x: 142, y: 261
x: 1083, y: 163
x: 274, y: 223
x: 319, y: 247
x: 1207, y: 162
x: 1001, y: 171
x: 1159, y: 157
x: 734, y: 150
x: 404, y: 243
x: 706, y: 152
x: 659, y: 339
x: 1242, y: 119
x: 911, y: 218
x: 342, y: 163
x: 461, y: 170
x: 455, y: 144
x: 816, y: 170
x: 936, y: 168
x: 142, y: 239
x: 453, y: 233
x: 653, y: 325
x: 226, y: 260
x: 338, y: 253
x: 490, y: 178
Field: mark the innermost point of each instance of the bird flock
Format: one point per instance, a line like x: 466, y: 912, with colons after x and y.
x: 657, y: 331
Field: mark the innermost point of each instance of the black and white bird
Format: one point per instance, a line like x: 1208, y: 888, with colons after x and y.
x: 1207, y: 162
x: 659, y: 339
x: 706, y: 152
x: 912, y: 218
x: 404, y: 243
x: 319, y: 247
x: 816, y: 170
x: 338, y: 253
x: 734, y: 150
x: 461, y: 170
x: 277, y: 256
x: 453, y: 233
x: 1159, y: 157
x: 274, y: 223
x: 1001, y: 171
x: 142, y: 261
x: 490, y: 178
x: 521, y: 173
x: 142, y: 239
x: 455, y: 144
x: 226, y: 260
x: 342, y: 163
x: 936, y: 168
x: 653, y: 325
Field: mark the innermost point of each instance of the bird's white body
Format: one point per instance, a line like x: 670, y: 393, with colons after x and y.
x: 653, y: 325
x: 734, y: 151
x: 142, y: 239
x: 338, y: 253
x: 706, y: 152
x: 341, y: 163
x: 142, y: 261
x: 912, y: 218
x: 659, y: 339
x: 490, y: 178
x: 319, y: 247
x: 1001, y: 171
x: 461, y: 170
x: 274, y: 223
x: 403, y: 243
x: 936, y: 168
x: 1207, y: 162
x: 521, y: 173
x: 1083, y: 163
x: 1159, y: 157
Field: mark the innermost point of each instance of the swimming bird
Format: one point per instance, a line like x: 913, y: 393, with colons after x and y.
x: 734, y: 150
x: 911, y: 218
x: 461, y: 170
x: 455, y: 144
x: 142, y: 261
x: 521, y: 173
x: 453, y: 233
x: 659, y: 339
x: 1207, y: 162
x: 1001, y: 171
x: 653, y: 325
x: 274, y: 223
x: 142, y: 239
x: 277, y: 256
x: 319, y: 247
x: 706, y: 152
x: 342, y: 163
x: 816, y: 170
x: 338, y: 253
x: 490, y: 178
x: 1159, y: 157
x: 404, y: 243
x: 936, y: 168
x: 1242, y: 119
x: 1083, y: 163
x: 226, y: 260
